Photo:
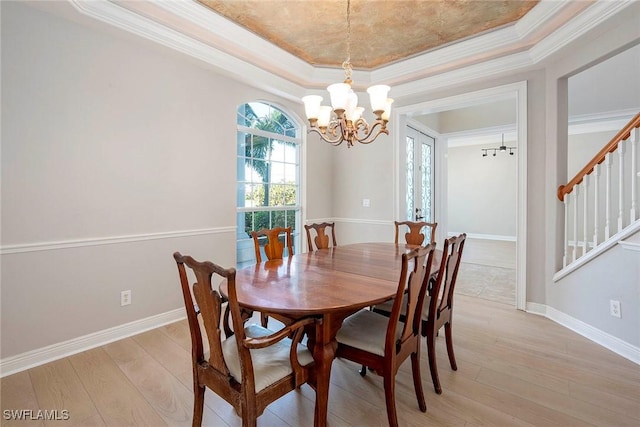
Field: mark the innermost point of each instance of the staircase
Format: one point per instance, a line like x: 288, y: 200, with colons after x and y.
x: 601, y: 201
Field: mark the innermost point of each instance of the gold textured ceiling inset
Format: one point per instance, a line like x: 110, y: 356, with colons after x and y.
x: 382, y: 31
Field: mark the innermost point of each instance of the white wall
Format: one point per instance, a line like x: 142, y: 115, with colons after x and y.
x: 611, y: 85
x: 482, y: 192
x: 113, y: 157
x: 583, y: 147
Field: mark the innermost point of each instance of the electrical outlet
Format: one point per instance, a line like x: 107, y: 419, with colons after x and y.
x: 614, y: 308
x: 125, y: 298
x: 366, y: 203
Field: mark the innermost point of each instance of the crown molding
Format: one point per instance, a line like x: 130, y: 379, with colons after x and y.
x: 191, y: 28
x: 225, y: 63
x: 586, y: 20
x: 587, y: 123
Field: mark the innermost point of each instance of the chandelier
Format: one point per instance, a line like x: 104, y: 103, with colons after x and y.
x: 343, y: 121
x: 503, y: 148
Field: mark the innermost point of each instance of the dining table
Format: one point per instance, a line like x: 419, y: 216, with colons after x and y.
x: 327, y: 284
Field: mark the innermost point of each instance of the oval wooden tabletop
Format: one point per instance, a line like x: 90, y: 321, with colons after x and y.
x: 343, y: 278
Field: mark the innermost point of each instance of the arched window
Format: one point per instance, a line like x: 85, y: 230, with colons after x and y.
x: 268, y: 175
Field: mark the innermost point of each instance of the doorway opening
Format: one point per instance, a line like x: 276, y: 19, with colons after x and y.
x: 406, y: 118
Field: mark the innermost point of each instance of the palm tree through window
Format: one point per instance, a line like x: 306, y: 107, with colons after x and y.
x: 268, y: 193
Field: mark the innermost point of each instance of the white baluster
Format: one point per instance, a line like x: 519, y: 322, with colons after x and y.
x: 634, y: 139
x: 585, y: 243
x: 607, y: 202
x: 566, y: 230
x: 621, y: 150
x: 596, y: 210
x: 576, y: 189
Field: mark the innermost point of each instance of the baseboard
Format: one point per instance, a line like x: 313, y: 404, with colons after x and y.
x: 21, y: 362
x: 610, y: 342
x: 484, y: 236
x: 535, y: 308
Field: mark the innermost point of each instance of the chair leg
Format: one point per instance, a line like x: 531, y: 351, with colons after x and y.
x: 198, y: 405
x: 433, y: 367
x: 417, y: 381
x: 449, y: 338
x: 390, y: 398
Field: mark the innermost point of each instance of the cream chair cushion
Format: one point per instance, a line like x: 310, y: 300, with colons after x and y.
x: 366, y: 330
x: 270, y: 364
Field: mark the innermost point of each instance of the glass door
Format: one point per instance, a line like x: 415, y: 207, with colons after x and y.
x: 419, y: 176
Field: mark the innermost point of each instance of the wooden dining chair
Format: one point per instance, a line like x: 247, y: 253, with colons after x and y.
x: 253, y: 366
x: 384, y: 343
x: 273, y: 249
x: 438, y: 306
x: 415, y: 236
x: 321, y: 240
x: 440, y: 309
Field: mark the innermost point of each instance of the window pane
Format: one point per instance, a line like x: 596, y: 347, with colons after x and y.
x: 260, y: 171
x: 277, y: 172
x: 244, y: 224
x: 290, y: 198
x: 278, y: 151
x: 291, y: 219
x: 290, y: 173
x: 261, y: 220
x: 409, y: 176
x: 279, y: 218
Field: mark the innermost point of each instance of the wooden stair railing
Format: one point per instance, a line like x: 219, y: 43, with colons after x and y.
x: 599, y: 158
x: 584, y: 215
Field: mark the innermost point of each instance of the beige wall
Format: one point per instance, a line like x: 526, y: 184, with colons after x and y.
x: 105, y: 138
x: 482, y: 192
x: 114, y: 155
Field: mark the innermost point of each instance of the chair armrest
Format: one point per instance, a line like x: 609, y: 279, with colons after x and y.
x: 261, y: 342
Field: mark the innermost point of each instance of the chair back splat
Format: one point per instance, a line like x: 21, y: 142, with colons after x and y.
x: 321, y: 240
x: 415, y: 236
x: 383, y: 343
x: 274, y: 248
x: 253, y: 366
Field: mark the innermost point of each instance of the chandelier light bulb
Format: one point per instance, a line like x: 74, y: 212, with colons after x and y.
x: 387, y: 109
x: 339, y: 93
x: 312, y: 106
x: 324, y: 117
x: 378, y: 95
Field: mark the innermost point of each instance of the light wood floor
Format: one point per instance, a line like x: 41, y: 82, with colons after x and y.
x: 515, y: 369
x: 488, y: 270
x: 494, y: 253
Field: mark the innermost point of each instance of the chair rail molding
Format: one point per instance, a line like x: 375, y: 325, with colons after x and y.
x: 77, y: 243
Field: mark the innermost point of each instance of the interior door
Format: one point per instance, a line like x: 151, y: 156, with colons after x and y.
x: 419, y: 176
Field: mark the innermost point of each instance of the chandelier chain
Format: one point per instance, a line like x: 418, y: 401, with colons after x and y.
x: 346, y: 65
x: 345, y: 123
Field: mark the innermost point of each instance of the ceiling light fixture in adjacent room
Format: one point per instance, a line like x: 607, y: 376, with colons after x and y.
x: 343, y: 120
x: 503, y: 148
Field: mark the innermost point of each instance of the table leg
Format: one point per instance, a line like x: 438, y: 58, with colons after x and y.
x: 323, y: 345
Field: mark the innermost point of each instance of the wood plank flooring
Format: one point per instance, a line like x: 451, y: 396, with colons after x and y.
x: 514, y: 369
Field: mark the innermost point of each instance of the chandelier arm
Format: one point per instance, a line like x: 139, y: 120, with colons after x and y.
x: 333, y: 141
x: 369, y: 135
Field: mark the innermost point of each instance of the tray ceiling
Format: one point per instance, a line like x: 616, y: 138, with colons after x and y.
x: 382, y: 32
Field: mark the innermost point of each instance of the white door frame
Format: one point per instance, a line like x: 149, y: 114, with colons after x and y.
x: 517, y: 91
